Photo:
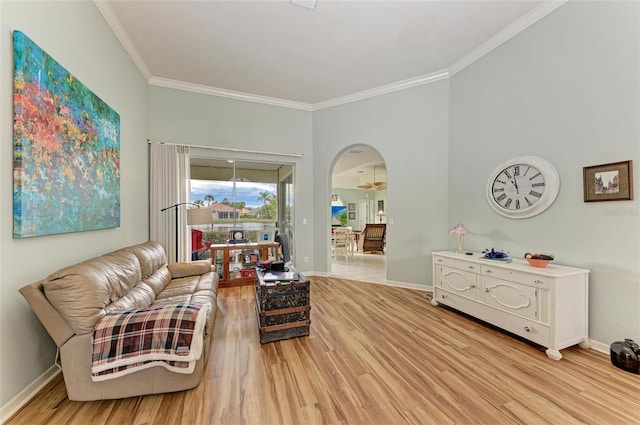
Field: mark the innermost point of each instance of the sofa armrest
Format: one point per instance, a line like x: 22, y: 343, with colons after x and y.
x: 192, y: 268
x: 57, y: 327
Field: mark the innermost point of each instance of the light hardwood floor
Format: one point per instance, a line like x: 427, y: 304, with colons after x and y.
x: 376, y: 355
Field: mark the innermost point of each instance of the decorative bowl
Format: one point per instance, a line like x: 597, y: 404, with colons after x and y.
x: 538, y: 263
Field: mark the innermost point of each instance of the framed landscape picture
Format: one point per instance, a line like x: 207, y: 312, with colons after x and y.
x: 66, y: 149
x: 608, y: 182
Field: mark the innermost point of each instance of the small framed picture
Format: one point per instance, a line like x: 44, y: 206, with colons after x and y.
x: 352, y: 215
x: 352, y: 206
x: 608, y: 182
x: 266, y: 236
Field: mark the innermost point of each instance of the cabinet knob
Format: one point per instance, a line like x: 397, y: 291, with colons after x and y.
x: 472, y: 267
x: 489, y: 271
x: 472, y: 285
x: 537, y: 281
x: 444, y: 295
x: 486, y: 289
x: 527, y: 328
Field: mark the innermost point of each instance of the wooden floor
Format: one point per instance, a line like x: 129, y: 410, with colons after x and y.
x: 376, y: 355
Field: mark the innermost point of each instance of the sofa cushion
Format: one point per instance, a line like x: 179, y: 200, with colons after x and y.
x: 150, y: 255
x: 82, y: 292
x: 201, y: 289
x: 193, y: 268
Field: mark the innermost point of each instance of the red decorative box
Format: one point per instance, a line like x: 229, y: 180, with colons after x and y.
x: 248, y: 272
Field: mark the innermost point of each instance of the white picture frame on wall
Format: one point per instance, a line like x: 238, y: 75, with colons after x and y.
x: 266, y: 236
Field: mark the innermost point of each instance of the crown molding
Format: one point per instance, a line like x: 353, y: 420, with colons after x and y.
x: 124, y: 38
x: 511, y: 31
x: 388, y: 88
x: 214, y: 91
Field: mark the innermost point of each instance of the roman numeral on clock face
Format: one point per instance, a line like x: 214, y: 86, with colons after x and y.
x: 536, y: 194
x: 501, y: 197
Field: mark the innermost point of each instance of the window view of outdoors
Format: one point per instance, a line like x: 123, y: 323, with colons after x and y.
x: 254, y: 207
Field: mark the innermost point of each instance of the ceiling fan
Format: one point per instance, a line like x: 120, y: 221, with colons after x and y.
x: 375, y: 185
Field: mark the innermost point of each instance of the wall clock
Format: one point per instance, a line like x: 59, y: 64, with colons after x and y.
x: 523, y: 187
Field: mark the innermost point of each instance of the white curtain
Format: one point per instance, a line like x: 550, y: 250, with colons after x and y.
x: 169, y: 185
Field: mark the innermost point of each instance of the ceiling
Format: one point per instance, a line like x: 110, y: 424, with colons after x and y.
x: 358, y: 166
x: 272, y: 51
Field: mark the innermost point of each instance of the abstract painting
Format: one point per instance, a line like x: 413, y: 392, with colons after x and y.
x: 66, y: 149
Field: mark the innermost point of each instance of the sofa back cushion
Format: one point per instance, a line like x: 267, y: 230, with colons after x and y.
x: 84, y: 292
x: 153, y: 264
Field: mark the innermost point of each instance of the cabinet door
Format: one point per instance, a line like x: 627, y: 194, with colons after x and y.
x: 458, y: 281
x: 511, y: 296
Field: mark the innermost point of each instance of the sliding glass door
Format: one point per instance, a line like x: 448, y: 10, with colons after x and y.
x: 245, y: 197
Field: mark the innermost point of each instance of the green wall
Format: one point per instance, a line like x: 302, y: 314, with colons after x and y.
x: 409, y: 129
x: 567, y: 89
x: 77, y: 36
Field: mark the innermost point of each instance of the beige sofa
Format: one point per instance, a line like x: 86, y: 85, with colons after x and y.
x: 70, y: 302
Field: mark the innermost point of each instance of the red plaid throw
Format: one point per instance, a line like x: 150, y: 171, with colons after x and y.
x: 127, y: 341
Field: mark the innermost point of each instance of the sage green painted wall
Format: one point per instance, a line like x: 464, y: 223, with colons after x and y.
x: 566, y: 89
x: 77, y: 36
x: 196, y: 119
x: 409, y: 129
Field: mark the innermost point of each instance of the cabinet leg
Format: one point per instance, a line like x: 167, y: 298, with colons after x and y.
x: 553, y: 354
x: 585, y: 344
x: 434, y: 302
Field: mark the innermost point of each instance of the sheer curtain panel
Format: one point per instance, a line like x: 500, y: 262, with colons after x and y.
x: 169, y: 185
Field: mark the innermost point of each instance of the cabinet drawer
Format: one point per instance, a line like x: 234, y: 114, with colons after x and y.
x: 531, y: 330
x: 457, y: 264
x: 528, y: 329
x: 516, y: 276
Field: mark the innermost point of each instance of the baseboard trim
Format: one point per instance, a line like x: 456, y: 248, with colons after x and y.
x: 407, y: 285
x: 600, y: 347
x: 11, y: 407
x: 397, y: 284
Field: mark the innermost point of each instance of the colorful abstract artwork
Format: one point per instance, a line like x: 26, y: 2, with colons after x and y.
x: 66, y: 149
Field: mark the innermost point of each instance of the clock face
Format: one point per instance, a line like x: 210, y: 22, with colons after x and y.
x: 518, y: 187
x: 523, y: 187
x: 237, y: 235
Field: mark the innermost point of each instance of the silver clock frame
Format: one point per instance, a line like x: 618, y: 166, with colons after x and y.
x: 551, y: 180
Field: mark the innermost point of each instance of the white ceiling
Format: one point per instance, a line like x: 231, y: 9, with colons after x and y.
x: 358, y: 166
x: 272, y: 51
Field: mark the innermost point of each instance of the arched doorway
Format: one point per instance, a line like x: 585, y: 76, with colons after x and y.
x: 358, y: 198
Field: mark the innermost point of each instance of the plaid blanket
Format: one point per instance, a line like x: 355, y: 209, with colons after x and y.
x: 128, y: 341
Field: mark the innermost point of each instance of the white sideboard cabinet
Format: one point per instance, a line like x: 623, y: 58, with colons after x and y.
x: 548, y: 306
